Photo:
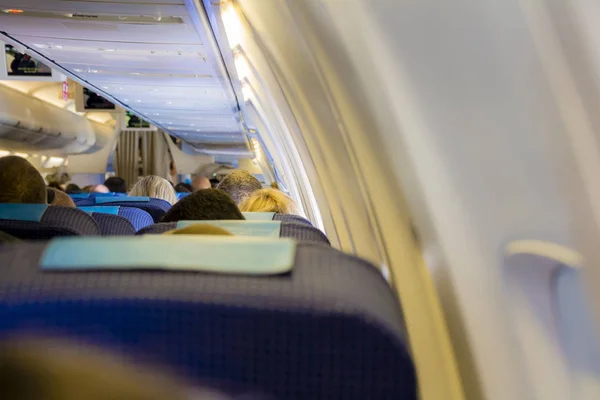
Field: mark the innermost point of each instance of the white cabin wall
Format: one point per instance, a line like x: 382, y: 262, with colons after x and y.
x: 337, y: 138
x: 453, y: 117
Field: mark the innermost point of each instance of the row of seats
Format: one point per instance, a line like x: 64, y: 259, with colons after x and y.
x: 269, y: 319
x: 39, y: 221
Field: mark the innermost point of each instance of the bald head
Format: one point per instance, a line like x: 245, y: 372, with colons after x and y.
x: 239, y: 185
x: 20, y: 182
x: 200, y: 182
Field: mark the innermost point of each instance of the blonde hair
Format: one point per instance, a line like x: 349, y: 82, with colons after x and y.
x: 156, y: 187
x: 270, y: 200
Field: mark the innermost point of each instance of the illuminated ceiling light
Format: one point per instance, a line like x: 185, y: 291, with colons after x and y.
x: 13, y: 11
x: 135, y: 73
x: 241, y: 66
x: 169, y: 102
x: 77, y: 69
x: 247, y: 91
x: 4, y: 153
x: 104, y: 87
x: 232, y: 24
x: 22, y: 155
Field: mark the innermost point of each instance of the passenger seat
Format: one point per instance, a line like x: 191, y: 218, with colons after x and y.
x: 40, y: 221
x: 155, y: 207
x: 327, y: 326
x: 300, y: 232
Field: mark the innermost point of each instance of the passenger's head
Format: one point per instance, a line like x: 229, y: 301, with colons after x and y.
x: 59, y: 198
x: 207, y: 204
x: 99, y: 189
x: 155, y: 187
x: 116, y: 184
x: 72, y: 189
x: 56, y: 370
x: 200, y: 182
x: 55, y: 185
x: 239, y: 185
x: 270, y: 200
x: 200, y: 229
x: 183, y: 188
x: 20, y: 182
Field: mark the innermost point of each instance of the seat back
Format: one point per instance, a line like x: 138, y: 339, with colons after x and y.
x: 155, y: 207
x: 291, y: 218
x: 331, y: 329
x: 300, y: 232
x: 40, y: 221
x: 137, y: 218
x: 113, y: 225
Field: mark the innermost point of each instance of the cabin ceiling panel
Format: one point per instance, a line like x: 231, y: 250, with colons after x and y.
x: 151, y: 55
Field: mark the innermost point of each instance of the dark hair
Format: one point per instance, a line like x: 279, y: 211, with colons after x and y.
x: 184, y: 188
x: 72, y: 189
x: 55, y: 185
x: 206, y: 204
x: 239, y: 184
x: 116, y: 184
x: 20, y: 182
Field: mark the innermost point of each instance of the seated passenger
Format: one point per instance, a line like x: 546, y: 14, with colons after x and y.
x: 200, y: 182
x: 59, y: 198
x: 270, y: 200
x: 56, y: 370
x: 55, y: 185
x: 116, y: 184
x: 207, y: 204
x: 6, y: 238
x: 73, y: 189
x: 99, y: 189
x: 155, y: 187
x: 239, y: 184
x: 20, y: 182
x: 184, y: 188
x: 199, y: 229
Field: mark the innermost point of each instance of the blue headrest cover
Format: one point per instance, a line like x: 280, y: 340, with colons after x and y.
x: 22, y: 212
x: 80, y: 196
x: 122, y: 199
x: 114, y: 210
x: 208, y: 253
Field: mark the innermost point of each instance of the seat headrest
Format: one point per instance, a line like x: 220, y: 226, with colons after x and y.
x: 114, y: 210
x: 77, y: 196
x: 22, y: 212
x: 259, y: 216
x: 207, y: 253
x: 241, y: 227
x: 124, y: 199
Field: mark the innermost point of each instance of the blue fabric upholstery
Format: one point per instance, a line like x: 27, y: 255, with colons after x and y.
x: 181, y: 195
x: 300, y: 232
x: 330, y: 329
x: 113, y: 225
x: 138, y: 218
x: 56, y: 221
x: 155, y: 207
x: 291, y: 218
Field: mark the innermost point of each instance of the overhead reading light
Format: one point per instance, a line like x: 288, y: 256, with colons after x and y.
x: 247, y: 91
x: 232, y: 24
x: 241, y: 66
